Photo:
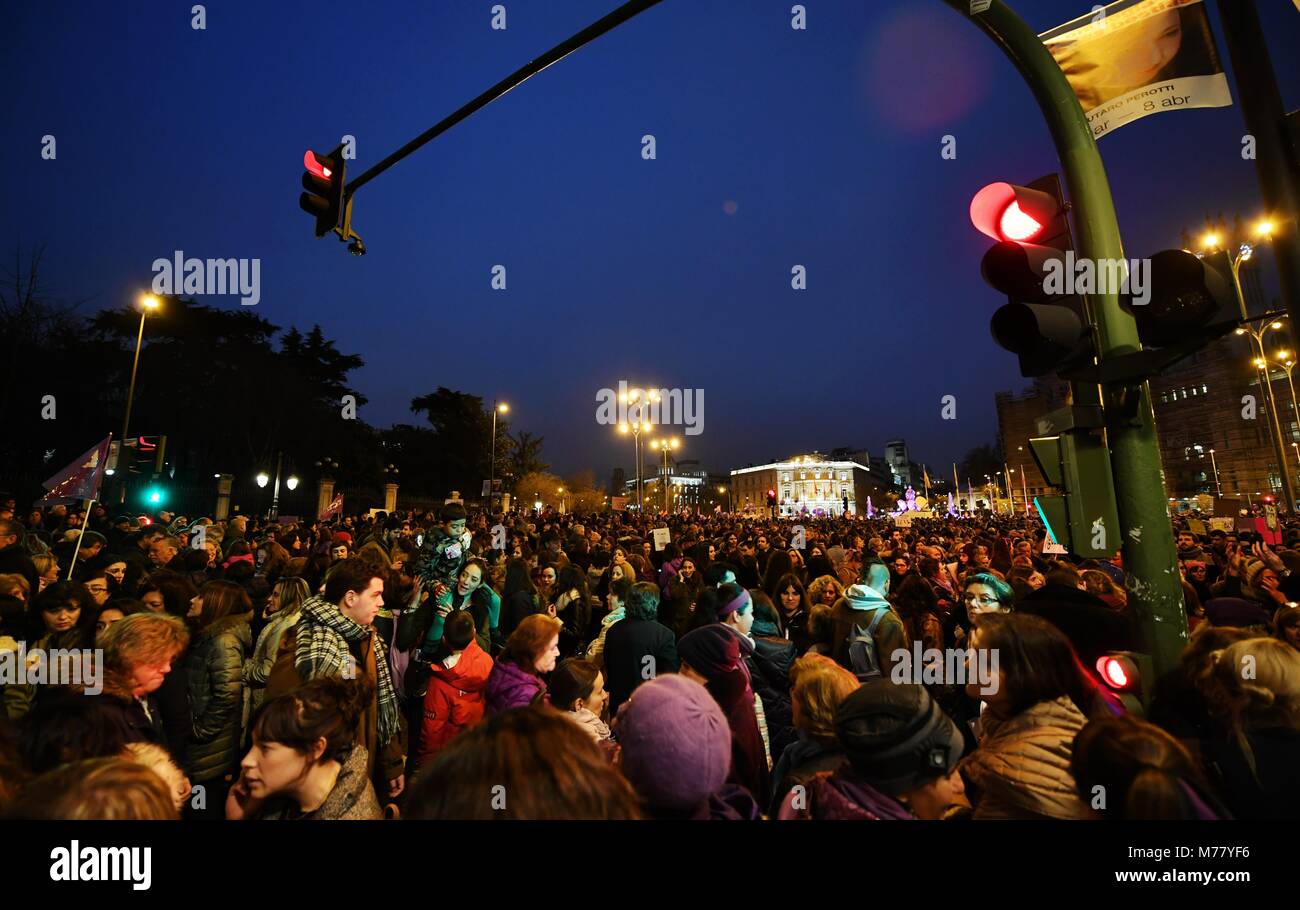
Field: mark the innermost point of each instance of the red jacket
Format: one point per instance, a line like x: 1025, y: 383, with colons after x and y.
x: 454, y: 701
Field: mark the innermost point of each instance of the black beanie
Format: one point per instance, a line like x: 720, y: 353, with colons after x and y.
x: 896, y: 736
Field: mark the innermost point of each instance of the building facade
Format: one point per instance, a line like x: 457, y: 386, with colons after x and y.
x: 813, y: 484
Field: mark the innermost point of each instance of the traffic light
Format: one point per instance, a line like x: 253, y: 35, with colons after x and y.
x: 1072, y: 455
x: 1192, y: 301
x: 1124, y: 673
x: 1048, y: 328
x: 324, y: 182
x: 148, y: 455
x: 155, y: 496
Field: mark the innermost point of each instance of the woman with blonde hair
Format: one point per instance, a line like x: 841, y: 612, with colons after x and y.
x: 825, y: 590
x: 1252, y: 692
x: 819, y: 685
x: 282, y: 607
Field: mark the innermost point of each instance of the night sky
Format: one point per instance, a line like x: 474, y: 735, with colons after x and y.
x: 775, y: 147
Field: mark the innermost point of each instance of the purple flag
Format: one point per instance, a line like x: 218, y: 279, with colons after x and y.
x: 81, y: 479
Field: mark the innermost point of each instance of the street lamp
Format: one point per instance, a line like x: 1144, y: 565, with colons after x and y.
x: 1263, y: 231
x: 498, y: 407
x: 665, y: 446
x: 635, y: 429
x: 147, y: 302
x: 292, y: 482
x: 263, y: 479
x: 1215, y: 465
x: 1287, y: 362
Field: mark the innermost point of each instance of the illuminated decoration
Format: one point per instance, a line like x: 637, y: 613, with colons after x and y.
x: 871, y: 510
x: 952, y: 505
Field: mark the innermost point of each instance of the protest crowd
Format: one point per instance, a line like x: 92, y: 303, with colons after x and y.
x: 468, y: 665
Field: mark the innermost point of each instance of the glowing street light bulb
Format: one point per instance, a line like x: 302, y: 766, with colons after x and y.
x: 1264, y: 228
x: 1275, y: 325
x: 292, y: 482
x: 1210, y: 241
x: 503, y: 407
x: 263, y: 479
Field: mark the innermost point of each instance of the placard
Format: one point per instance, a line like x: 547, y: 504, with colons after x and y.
x: 662, y: 538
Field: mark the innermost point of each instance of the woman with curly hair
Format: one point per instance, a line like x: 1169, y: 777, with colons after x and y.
x: 1252, y: 691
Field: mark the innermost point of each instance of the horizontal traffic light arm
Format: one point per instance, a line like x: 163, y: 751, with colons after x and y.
x: 554, y: 55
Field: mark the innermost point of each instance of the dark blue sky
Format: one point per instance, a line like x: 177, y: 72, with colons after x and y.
x: 826, y: 140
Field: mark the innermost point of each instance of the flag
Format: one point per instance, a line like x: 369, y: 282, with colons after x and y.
x: 334, y: 509
x: 925, y: 477
x: 81, y: 479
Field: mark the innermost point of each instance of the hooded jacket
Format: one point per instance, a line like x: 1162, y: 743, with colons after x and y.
x: 454, y: 701
x: 1022, y: 766
x: 511, y: 686
x: 214, y: 672
x: 858, y: 607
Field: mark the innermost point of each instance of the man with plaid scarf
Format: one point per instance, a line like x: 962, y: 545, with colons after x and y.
x: 335, y: 636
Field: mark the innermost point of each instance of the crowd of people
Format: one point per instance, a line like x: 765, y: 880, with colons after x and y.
x: 470, y: 665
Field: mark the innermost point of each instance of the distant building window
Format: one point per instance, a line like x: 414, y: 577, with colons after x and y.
x: 1205, y: 389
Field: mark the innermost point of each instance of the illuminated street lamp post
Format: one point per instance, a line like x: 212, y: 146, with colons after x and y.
x: 665, y: 446
x: 147, y: 302
x: 634, y: 397
x: 1215, y: 465
x: 1211, y: 242
x: 497, y: 408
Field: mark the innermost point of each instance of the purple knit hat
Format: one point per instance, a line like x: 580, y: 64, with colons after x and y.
x: 676, y: 743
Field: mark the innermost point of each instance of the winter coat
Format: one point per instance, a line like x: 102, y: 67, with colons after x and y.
x: 511, y: 686
x: 351, y: 799
x: 769, y: 667
x: 596, y: 652
x: 520, y: 606
x: 857, y: 608
x: 259, y: 665
x: 136, y: 720
x: 386, y: 761
x: 842, y: 795
x: 454, y: 701
x: 1022, y: 766
x: 668, y: 572
x: 748, y: 759
x: 802, y: 760
x: 627, y: 645
x: 1272, y: 790
x: 214, y: 671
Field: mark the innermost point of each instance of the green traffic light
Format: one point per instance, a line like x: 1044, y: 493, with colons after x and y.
x: 154, y: 495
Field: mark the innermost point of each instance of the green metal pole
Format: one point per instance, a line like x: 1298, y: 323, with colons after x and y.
x: 1146, y: 534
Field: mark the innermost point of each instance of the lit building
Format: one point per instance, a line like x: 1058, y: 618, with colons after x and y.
x: 808, y: 483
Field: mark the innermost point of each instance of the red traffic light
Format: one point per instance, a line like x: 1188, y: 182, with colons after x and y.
x: 1019, y: 214
x: 1117, y: 672
x: 771, y: 492
x: 315, y: 166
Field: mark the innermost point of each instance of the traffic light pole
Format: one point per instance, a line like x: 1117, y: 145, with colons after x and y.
x: 1146, y: 535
